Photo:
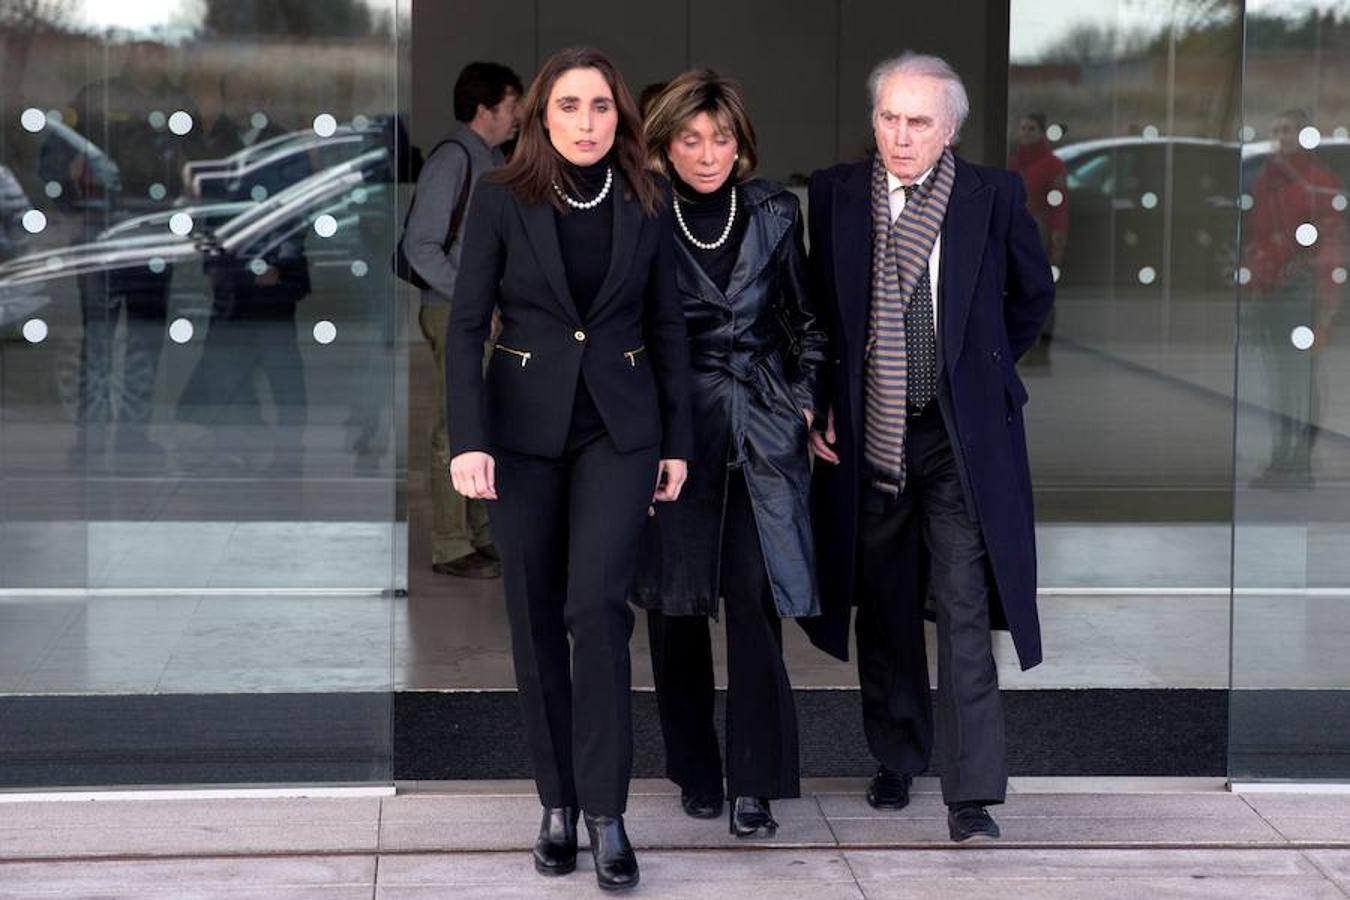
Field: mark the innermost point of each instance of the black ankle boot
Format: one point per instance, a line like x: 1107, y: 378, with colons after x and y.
x: 555, y: 852
x: 616, y: 866
x: 749, y: 815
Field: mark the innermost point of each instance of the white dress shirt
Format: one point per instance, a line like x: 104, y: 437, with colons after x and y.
x: 897, y: 199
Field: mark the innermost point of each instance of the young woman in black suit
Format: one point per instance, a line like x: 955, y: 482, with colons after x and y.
x: 581, y: 421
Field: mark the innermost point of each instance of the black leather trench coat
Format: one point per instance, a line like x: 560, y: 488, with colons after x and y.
x: 755, y: 354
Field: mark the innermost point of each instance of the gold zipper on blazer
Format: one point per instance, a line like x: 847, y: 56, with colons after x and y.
x: 523, y: 354
x: 632, y: 355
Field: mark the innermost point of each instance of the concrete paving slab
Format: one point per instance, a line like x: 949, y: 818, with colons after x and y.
x: 1113, y: 784
x: 113, y: 841
x: 236, y: 812
x: 180, y: 890
x: 582, y: 884
x: 1124, y: 889
x: 1301, y: 829
x: 1319, y: 806
x: 888, y: 865
x: 1211, y: 831
x: 150, y: 875
x: 1094, y: 806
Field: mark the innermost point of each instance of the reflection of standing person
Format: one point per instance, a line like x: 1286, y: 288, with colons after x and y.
x: 1292, y: 285
x: 935, y: 282
x: 1045, y: 177
x: 741, y: 530
x: 486, y: 96
x: 582, y: 412
x: 128, y: 116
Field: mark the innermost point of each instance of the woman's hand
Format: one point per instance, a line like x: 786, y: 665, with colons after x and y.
x: 670, y: 478
x: 475, y: 475
x: 822, y: 445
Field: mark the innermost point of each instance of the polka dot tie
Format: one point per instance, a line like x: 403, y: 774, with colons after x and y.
x: 921, y: 338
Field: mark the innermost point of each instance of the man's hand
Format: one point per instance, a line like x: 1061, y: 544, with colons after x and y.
x: 669, y: 479
x: 822, y: 444
x: 475, y: 475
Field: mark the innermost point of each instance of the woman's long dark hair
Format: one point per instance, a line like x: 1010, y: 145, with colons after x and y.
x: 535, y: 166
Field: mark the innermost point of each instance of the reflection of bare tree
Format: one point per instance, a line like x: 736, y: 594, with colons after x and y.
x: 1088, y: 43
x: 23, y: 20
x: 297, y: 17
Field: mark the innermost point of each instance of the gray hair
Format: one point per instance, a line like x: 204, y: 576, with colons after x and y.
x: 954, y: 97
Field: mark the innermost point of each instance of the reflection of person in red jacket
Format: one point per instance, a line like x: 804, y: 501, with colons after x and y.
x: 1295, y: 244
x: 1047, y: 201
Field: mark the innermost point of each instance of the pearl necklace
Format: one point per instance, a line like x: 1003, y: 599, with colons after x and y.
x: 588, y: 204
x: 726, y: 232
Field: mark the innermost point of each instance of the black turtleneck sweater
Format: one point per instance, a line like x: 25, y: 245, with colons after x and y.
x: 584, y: 235
x: 706, y: 216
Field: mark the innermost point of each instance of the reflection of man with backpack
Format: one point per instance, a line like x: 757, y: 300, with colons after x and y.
x: 486, y: 98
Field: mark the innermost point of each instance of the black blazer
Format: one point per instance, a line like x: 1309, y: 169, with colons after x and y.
x: 631, y: 349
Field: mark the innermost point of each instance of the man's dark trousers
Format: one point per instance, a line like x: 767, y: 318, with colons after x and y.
x: 928, y: 527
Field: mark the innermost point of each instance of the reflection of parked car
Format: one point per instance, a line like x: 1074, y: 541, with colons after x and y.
x: 275, y: 164
x: 1161, y: 213
x: 97, y: 181
x: 227, y: 236
x: 13, y: 204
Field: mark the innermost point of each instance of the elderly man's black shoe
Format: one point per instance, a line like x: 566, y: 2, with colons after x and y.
x: 702, y: 806
x: 750, y: 815
x: 966, y: 821
x: 616, y: 866
x: 555, y: 851
x: 889, y: 789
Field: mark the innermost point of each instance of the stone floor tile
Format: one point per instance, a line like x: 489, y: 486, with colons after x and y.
x: 55, y: 843
x: 1070, y: 832
x: 186, y: 889
x: 1329, y: 806
x: 1094, y: 806
x: 1306, y: 888
x: 887, y: 865
x: 148, y: 875
x: 1312, y: 830
x: 582, y: 884
x: 1113, y: 784
x: 156, y: 813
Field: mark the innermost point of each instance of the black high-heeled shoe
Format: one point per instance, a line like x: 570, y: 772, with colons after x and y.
x: 555, y: 851
x: 616, y: 865
x: 750, y: 815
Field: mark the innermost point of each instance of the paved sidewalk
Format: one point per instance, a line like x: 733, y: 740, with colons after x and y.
x: 1063, y: 838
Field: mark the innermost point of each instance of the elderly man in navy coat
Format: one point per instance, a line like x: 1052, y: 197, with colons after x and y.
x: 934, y: 279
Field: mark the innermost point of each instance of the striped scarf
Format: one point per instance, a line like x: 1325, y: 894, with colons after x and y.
x: 900, y: 254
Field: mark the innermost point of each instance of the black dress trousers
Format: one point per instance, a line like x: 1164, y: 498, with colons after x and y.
x: 761, y: 715
x: 925, y: 533
x: 567, y: 529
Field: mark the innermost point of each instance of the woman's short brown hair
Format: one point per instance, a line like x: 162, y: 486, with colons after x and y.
x: 699, y: 91
x: 536, y: 166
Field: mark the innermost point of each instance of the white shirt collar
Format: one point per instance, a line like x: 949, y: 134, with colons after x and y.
x: 893, y: 183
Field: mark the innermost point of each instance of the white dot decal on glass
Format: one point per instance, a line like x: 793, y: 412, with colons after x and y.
x: 156, y: 264
x: 180, y: 223
x: 1203, y: 238
x: 1309, y: 137
x: 325, y: 332
x: 34, y: 221
x: 1151, y: 132
x: 1246, y: 202
x: 325, y: 125
x: 258, y: 120
x: 1147, y: 275
x: 54, y: 263
x: 1246, y: 133
x: 360, y: 122
x: 1306, y: 234
x: 180, y: 331
x: 359, y: 195
x: 1244, y: 275
x: 33, y: 119
x: 1054, y: 273
x: 325, y: 226
x: 1149, y: 200
x: 157, y: 120
x: 1301, y: 337
x: 259, y: 193
x: 53, y: 189
x: 1339, y: 275
x: 359, y: 268
x: 1055, y: 197
x: 180, y: 123
x: 1054, y: 131
x: 258, y: 266
x: 1339, y: 203
x: 158, y: 191
x: 1130, y: 238
x: 1341, y: 133
x: 55, y: 117
x: 35, y: 331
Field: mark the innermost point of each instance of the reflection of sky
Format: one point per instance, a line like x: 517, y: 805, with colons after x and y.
x: 1036, y: 24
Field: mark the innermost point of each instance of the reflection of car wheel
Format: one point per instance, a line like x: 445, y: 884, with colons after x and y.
x: 114, y: 391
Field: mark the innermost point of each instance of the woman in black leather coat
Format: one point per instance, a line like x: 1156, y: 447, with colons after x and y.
x: 741, y: 530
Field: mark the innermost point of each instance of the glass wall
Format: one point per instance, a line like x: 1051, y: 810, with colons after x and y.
x: 199, y: 386
x: 1291, y: 577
